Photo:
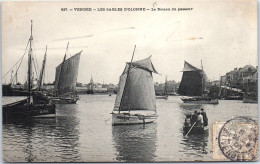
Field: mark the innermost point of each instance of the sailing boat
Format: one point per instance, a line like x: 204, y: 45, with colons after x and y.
x: 165, y: 94
x: 136, y: 93
x: 193, y: 85
x: 28, y: 108
x: 41, y: 95
x: 91, y: 86
x: 66, y: 79
x: 251, y: 95
x: 13, y: 88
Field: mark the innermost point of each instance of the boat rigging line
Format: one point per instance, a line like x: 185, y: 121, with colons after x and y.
x: 35, y: 63
x: 21, y: 59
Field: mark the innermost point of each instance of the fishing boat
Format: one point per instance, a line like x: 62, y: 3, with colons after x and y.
x: 14, y: 88
x: 66, y: 79
x: 91, y: 86
x: 194, y: 128
x: 230, y: 93
x: 135, y: 93
x: 30, y: 107
x: 192, y: 86
x: 165, y: 94
x: 250, y: 97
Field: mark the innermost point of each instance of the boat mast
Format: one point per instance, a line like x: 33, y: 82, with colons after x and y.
x: 126, y: 79
x: 61, y: 69
x: 30, y: 65
x: 11, y: 80
x: 16, y: 78
x: 91, y: 84
x: 165, y: 86
x: 202, y: 88
x: 42, y: 71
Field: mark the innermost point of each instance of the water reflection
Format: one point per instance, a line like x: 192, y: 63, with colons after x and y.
x: 195, y: 145
x: 67, y: 132
x: 135, y: 143
x: 29, y: 148
x: 44, y: 140
x: 80, y: 134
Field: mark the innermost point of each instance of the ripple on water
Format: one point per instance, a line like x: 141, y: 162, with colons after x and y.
x: 82, y: 132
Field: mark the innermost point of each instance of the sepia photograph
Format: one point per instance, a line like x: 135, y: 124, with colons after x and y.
x: 129, y: 81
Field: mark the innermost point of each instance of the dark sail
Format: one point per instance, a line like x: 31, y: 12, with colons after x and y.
x: 40, y: 81
x: 66, y: 75
x: 191, y: 82
x: 137, y: 93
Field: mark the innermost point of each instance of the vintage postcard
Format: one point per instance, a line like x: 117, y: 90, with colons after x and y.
x: 129, y: 81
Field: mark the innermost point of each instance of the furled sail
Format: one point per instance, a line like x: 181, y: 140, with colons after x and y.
x: 66, y: 75
x: 137, y: 91
x: 192, y: 81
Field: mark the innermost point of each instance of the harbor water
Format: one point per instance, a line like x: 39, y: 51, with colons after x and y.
x: 82, y: 132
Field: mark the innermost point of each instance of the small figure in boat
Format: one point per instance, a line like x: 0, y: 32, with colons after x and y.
x: 194, y: 117
x: 200, y: 120
x: 188, y: 120
x: 205, y: 118
x: 195, y: 123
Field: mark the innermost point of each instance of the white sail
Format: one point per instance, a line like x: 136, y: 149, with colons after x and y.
x: 137, y: 91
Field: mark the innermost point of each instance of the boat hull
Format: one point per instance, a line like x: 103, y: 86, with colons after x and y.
x: 22, y: 110
x: 58, y: 100
x: 7, y: 90
x: 162, y: 97
x: 233, y: 98
x: 247, y: 98
x: 200, y: 100
x: 195, y: 129
x: 129, y: 119
x: 90, y: 92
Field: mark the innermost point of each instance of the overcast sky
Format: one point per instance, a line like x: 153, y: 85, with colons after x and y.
x: 223, y: 34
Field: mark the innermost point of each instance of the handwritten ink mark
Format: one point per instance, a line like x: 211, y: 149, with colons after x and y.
x: 155, y: 3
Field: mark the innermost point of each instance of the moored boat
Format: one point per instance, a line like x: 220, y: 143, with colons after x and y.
x: 91, y: 86
x: 165, y: 94
x: 22, y: 110
x: 250, y: 98
x: 199, y: 100
x: 32, y: 106
x: 193, y: 85
x: 135, y: 93
x: 10, y: 90
x: 65, y: 80
x: 162, y: 97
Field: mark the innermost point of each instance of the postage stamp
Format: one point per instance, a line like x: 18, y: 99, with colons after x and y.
x: 235, y: 140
